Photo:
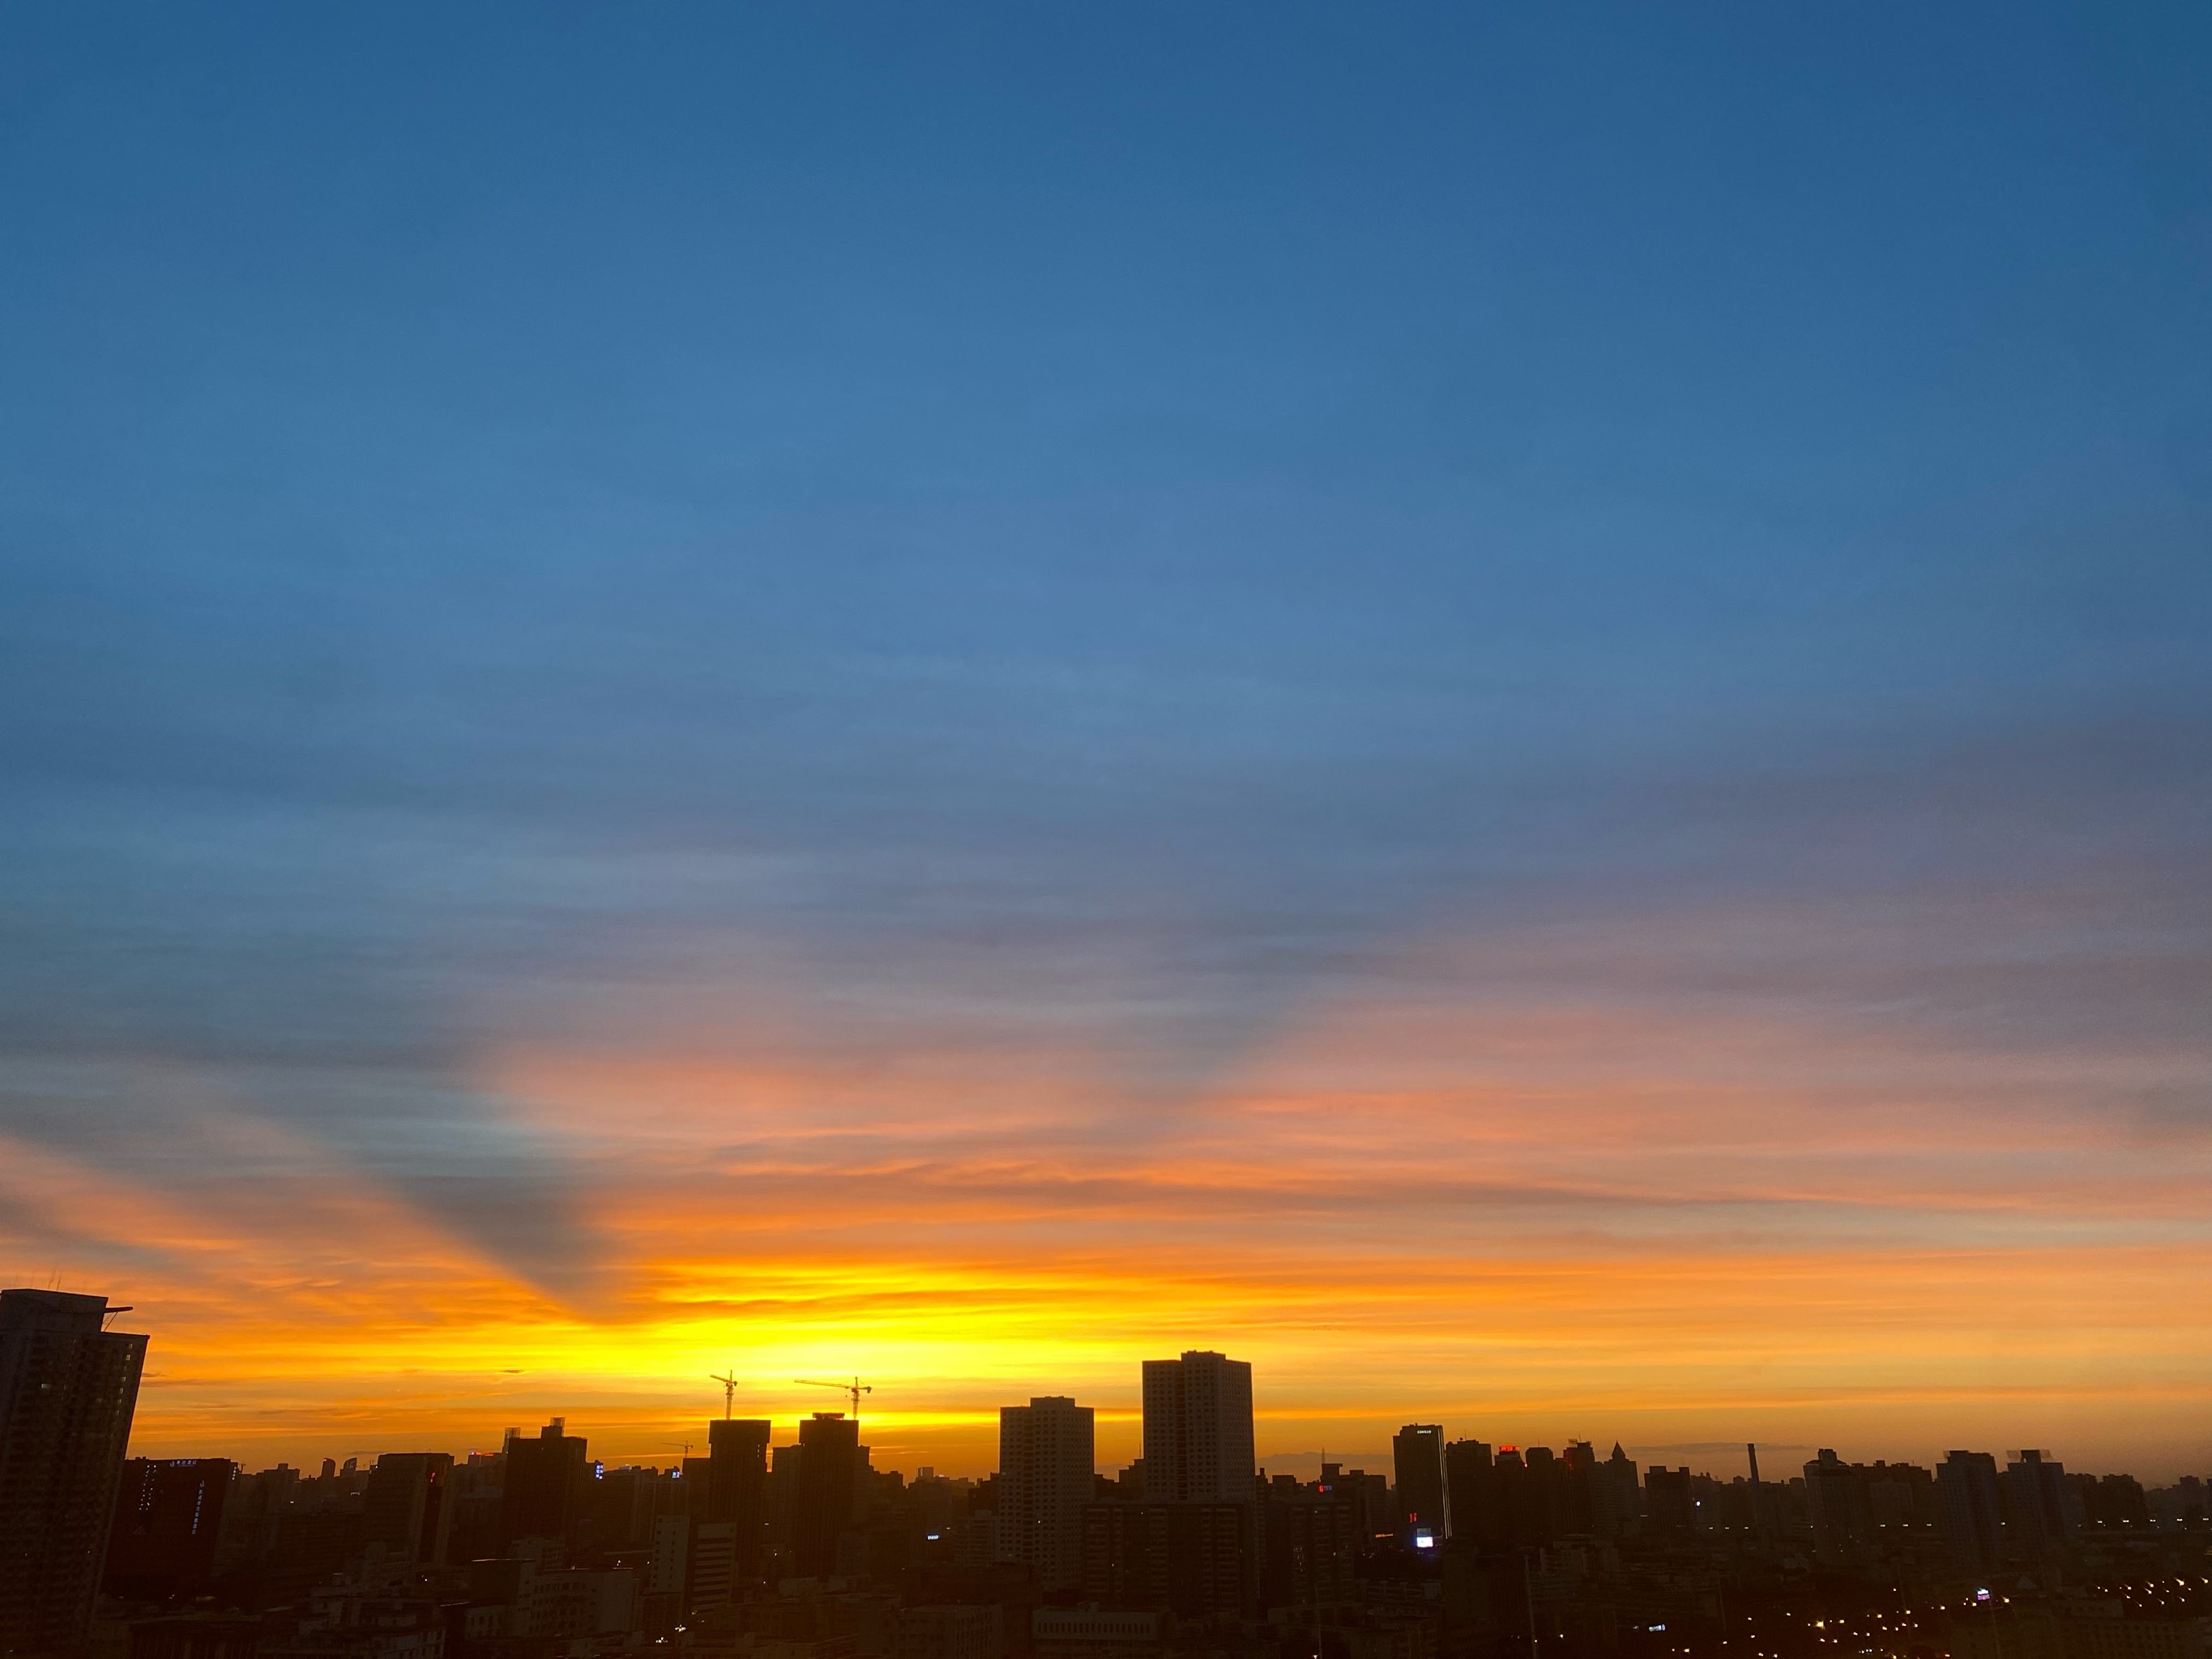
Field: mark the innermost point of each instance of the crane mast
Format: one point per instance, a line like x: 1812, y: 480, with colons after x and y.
x: 852, y: 1390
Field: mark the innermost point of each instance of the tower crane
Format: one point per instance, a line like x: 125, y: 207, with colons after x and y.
x: 729, y: 1391
x: 853, y: 1389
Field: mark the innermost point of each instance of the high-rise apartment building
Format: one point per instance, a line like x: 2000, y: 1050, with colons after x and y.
x: 1973, y: 1513
x: 826, y: 1502
x: 544, y: 1489
x: 1417, y: 1453
x: 2038, y: 1514
x: 737, y: 1489
x: 1047, y: 1466
x: 168, y: 1519
x: 1198, y: 1429
x: 1194, y: 1560
x: 1311, y: 1538
x: 1617, y: 1495
x: 1470, y: 1480
x: 1836, y: 1493
x: 405, y: 1508
x: 68, y: 1387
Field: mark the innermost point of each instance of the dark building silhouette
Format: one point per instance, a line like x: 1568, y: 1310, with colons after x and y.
x: 737, y: 1489
x: 1417, y: 1454
x: 1900, y: 1496
x: 1192, y: 1559
x: 1971, y: 1509
x: 1522, y: 1482
x: 67, y: 1387
x: 1471, y: 1481
x: 543, y: 1486
x: 167, y: 1522
x: 1198, y: 1429
x: 1311, y: 1541
x: 406, y: 1507
x: 1668, y: 1506
x: 1575, y: 1509
x: 827, y: 1493
x: 1616, y: 1494
x: 1047, y: 1468
x: 2116, y: 1503
x: 1199, y: 1464
x: 2037, y: 1517
x: 1541, y: 1510
x: 475, y: 1500
x: 1836, y: 1493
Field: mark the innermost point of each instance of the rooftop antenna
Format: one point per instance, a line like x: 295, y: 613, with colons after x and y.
x: 853, y: 1389
x: 729, y: 1391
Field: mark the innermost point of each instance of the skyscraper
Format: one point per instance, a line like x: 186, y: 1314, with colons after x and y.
x: 544, y: 1484
x: 830, y: 1467
x: 1424, y: 1500
x: 1836, y: 1493
x: 1198, y: 1429
x: 1618, y: 1506
x: 168, y: 1517
x: 1047, y: 1461
x: 737, y: 1489
x: 1471, y: 1483
x: 405, y: 1507
x: 1966, y: 1486
x: 2036, y: 1509
x: 67, y: 1387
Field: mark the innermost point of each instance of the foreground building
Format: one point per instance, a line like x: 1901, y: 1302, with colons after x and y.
x: 67, y: 1387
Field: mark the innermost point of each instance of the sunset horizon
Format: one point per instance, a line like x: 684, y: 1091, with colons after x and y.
x: 1505, y: 711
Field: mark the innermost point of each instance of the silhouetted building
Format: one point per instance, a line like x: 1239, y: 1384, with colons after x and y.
x: 1373, y: 1509
x: 1616, y: 1500
x: 1543, y: 1502
x: 542, y: 1488
x: 1524, y: 1484
x: 1836, y: 1491
x: 737, y: 1489
x: 1667, y: 1510
x: 2035, y: 1510
x: 405, y: 1509
x: 1047, y: 1464
x: 1470, y: 1485
x: 2116, y: 1503
x: 169, y: 1519
x: 1574, y: 1509
x: 67, y: 1391
x: 476, y: 1500
x: 1198, y: 1429
x: 828, y: 1491
x: 1900, y: 1496
x: 1196, y: 1560
x: 1311, y: 1541
x: 1973, y: 1513
x: 1417, y: 1454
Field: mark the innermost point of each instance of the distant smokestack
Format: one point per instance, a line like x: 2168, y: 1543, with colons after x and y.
x: 1751, y: 1450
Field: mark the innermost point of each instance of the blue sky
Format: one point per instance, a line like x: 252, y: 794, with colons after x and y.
x: 1055, y: 527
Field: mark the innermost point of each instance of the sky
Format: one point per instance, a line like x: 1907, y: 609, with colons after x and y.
x: 1508, y: 708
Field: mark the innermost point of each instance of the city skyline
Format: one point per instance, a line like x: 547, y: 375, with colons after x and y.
x: 890, y: 1443
x: 1508, y: 711
x: 541, y: 1551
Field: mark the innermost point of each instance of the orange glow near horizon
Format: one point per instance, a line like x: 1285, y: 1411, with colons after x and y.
x: 1394, y: 1214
